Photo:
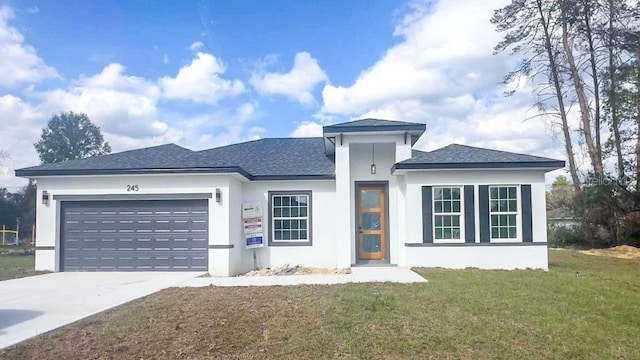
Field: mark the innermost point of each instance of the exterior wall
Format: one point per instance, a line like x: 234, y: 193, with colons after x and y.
x: 360, y: 171
x: 495, y: 255
x: 47, y: 220
x: 323, y: 250
x: 353, y: 164
x: 482, y: 257
x: 333, y: 218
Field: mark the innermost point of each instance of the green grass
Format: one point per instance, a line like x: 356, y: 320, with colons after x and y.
x: 585, y: 307
x: 12, y: 267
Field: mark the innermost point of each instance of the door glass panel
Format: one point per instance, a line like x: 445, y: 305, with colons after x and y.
x: 371, y: 221
x: 371, y: 243
x: 370, y: 198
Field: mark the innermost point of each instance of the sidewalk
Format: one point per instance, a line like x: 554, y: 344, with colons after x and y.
x: 358, y: 275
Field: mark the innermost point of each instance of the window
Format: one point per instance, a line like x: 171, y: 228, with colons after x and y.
x: 289, y: 218
x: 503, y: 206
x: 447, y: 213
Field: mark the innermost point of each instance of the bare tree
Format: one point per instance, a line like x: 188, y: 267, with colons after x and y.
x: 578, y: 84
x: 531, y: 28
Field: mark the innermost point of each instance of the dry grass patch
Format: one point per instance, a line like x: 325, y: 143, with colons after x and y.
x: 585, y: 307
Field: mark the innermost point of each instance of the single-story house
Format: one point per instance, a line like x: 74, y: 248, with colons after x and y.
x: 357, y: 195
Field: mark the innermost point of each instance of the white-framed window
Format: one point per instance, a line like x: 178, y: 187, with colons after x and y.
x: 290, y: 218
x: 503, y: 211
x: 447, y: 213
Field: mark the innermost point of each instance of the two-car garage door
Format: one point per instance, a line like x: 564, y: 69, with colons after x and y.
x: 134, y: 235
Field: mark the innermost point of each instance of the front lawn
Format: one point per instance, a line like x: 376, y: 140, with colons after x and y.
x: 584, y: 307
x: 17, y: 266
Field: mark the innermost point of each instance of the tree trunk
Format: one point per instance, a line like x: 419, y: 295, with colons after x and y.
x: 638, y: 111
x: 613, y: 103
x: 585, y: 116
x: 573, y: 170
x: 594, y: 74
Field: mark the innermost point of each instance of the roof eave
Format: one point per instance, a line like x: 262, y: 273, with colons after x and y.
x: 374, y: 128
x: 33, y: 173
x: 542, y: 165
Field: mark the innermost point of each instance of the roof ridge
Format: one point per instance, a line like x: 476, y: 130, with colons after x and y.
x: 487, y: 149
x: 258, y: 140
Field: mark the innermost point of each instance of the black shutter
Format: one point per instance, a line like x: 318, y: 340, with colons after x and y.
x: 483, y: 203
x: 427, y: 215
x: 469, y: 215
x: 527, y: 223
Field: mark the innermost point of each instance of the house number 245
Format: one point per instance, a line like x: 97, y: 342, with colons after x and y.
x: 132, y: 188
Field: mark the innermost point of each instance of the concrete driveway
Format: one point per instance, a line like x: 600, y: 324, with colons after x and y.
x: 34, y: 305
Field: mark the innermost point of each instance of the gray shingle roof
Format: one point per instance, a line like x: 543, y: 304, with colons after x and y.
x: 274, y: 159
x: 374, y: 125
x: 260, y: 159
x: 157, y: 157
x: 279, y: 157
x: 463, y: 156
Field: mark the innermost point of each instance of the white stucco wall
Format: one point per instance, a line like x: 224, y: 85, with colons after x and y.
x: 47, y: 222
x: 322, y: 252
x: 333, y: 212
x: 481, y: 256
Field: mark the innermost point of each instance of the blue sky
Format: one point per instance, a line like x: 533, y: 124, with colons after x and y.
x: 207, y: 73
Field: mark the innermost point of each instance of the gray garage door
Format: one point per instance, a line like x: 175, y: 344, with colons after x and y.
x: 138, y: 235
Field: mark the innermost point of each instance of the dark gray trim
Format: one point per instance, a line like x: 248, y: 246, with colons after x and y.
x: 527, y: 221
x: 475, y: 244
x: 104, y: 197
x: 55, y: 172
x: 373, y: 128
x: 291, y: 177
x: 483, y: 211
x: 45, y: 247
x: 309, y: 216
x: 225, y: 246
x: 479, y: 165
x: 427, y: 215
x: 225, y: 170
x: 384, y: 184
x: 469, y: 215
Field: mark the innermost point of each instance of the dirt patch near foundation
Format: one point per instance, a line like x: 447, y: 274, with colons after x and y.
x: 295, y: 270
x: 622, y: 252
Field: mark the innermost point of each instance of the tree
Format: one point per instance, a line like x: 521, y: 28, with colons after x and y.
x: 70, y: 136
x: 531, y: 30
x: 561, y: 194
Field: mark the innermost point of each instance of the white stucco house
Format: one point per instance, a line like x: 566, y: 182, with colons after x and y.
x: 357, y: 195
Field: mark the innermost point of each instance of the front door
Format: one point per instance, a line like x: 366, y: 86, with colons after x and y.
x: 371, y: 222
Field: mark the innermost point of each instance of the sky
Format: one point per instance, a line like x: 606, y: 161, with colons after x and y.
x: 203, y: 73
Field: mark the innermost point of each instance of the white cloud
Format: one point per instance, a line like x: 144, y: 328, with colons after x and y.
x: 200, y: 81
x: 308, y: 129
x: 165, y: 59
x: 19, y: 62
x: 21, y: 124
x: 120, y: 104
x: 443, y: 73
x: 446, y: 51
x: 297, y: 84
x: 196, y: 45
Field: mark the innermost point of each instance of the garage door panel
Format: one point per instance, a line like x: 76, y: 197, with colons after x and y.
x: 140, y: 235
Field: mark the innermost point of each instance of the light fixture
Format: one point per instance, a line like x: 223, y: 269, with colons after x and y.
x: 218, y: 195
x: 45, y: 198
x: 373, y: 159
